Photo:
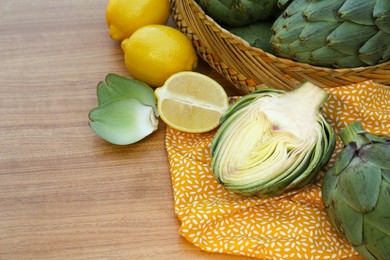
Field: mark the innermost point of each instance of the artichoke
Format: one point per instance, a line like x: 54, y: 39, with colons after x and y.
x: 334, y: 33
x: 257, y: 34
x: 356, y: 192
x: 239, y: 12
x: 126, y: 112
x: 272, y: 141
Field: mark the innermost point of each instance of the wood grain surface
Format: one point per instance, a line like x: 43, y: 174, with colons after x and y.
x: 64, y: 192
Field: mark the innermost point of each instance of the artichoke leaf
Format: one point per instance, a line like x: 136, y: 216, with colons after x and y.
x: 377, y: 154
x: 326, y: 56
x: 377, y: 242
x: 256, y: 34
x: 381, y: 8
x: 333, y: 217
x: 350, y: 220
x: 383, y: 23
x: 380, y: 217
x: 355, y: 133
x: 344, y: 158
x: 118, y: 87
x: 325, y: 11
x: 347, y: 61
x: 285, y: 32
x: 376, y: 138
x: 325, y: 146
x: 296, y: 7
x: 329, y: 141
x: 217, y: 9
x: 386, y: 54
x: 297, y: 47
x: 329, y: 183
x: 239, y: 12
x: 349, y: 37
x: 305, y: 57
x: 365, y: 253
x: 372, y: 51
x: 358, y: 11
x: 283, y: 3
x: 386, y: 175
x: 382, y: 14
x: 299, y: 179
x: 124, y: 121
x: 359, y: 185
x: 314, y: 34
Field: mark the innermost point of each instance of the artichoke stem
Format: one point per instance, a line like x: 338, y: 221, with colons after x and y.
x: 350, y: 133
x: 307, y: 96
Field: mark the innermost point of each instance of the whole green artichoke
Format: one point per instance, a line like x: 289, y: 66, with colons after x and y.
x: 239, y: 12
x: 334, y: 33
x: 356, y: 192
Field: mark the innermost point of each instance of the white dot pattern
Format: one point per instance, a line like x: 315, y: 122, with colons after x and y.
x: 290, y: 226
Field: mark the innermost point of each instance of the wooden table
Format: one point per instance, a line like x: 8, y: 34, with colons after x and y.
x: 64, y: 192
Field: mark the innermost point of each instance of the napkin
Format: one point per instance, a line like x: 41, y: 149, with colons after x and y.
x: 290, y: 226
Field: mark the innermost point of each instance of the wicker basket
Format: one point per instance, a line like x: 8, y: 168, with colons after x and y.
x: 250, y: 68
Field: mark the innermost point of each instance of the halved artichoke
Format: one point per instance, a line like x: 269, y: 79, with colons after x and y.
x: 272, y: 141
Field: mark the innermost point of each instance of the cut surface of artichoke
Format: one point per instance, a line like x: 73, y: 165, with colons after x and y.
x: 272, y: 141
x: 127, y: 110
x: 124, y: 121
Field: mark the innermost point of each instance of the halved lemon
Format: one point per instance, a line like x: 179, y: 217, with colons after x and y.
x: 191, y: 102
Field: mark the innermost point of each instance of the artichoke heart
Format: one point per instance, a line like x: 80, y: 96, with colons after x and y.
x: 356, y: 192
x: 272, y: 141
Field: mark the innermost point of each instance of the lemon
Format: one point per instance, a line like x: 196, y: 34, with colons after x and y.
x: 191, y: 102
x: 124, y: 17
x: 155, y: 52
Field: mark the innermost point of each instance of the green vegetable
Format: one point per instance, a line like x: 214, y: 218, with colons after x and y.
x: 127, y: 110
x: 334, y: 33
x: 117, y: 87
x: 239, y: 12
x: 282, y: 4
x: 356, y: 192
x: 271, y: 141
x: 257, y: 34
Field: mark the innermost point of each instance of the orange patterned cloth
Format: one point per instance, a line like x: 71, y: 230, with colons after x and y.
x: 290, y: 226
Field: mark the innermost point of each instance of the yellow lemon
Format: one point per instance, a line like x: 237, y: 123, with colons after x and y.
x: 191, y: 102
x: 124, y: 17
x: 155, y: 52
